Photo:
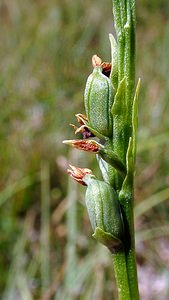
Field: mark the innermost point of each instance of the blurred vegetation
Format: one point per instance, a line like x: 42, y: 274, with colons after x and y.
x: 47, y: 251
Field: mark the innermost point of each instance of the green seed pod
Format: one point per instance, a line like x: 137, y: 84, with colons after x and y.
x: 98, y: 100
x: 103, y: 207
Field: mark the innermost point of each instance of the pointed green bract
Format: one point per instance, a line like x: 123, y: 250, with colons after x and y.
x: 103, y: 166
x: 119, y: 106
x: 127, y: 187
x: 106, y: 169
x: 135, y: 119
x: 119, y: 112
x: 114, y: 62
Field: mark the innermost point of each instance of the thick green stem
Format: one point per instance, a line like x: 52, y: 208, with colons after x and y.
x: 124, y: 19
x: 132, y: 269
x: 129, y: 62
x: 119, y: 263
x: 129, y: 246
x: 118, y: 22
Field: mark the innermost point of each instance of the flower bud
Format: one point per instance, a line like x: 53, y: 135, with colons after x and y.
x: 98, y: 100
x: 85, y: 145
x: 83, y: 121
x: 78, y: 173
x: 103, y: 207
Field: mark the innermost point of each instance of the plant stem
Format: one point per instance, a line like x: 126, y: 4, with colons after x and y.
x: 120, y: 37
x: 119, y: 263
x: 130, y: 253
x: 124, y: 19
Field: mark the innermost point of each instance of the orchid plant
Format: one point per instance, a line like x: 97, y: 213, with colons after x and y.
x: 108, y: 130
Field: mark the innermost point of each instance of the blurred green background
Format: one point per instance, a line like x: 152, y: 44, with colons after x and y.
x: 46, y: 247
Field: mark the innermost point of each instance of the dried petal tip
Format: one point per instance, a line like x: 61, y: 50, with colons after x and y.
x: 81, y: 119
x: 96, y: 61
x: 85, y: 145
x: 74, y: 127
x: 78, y: 173
x: 83, y: 130
x: 67, y: 142
x: 106, y: 68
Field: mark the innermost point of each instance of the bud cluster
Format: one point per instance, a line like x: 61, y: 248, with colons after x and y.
x: 102, y: 107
